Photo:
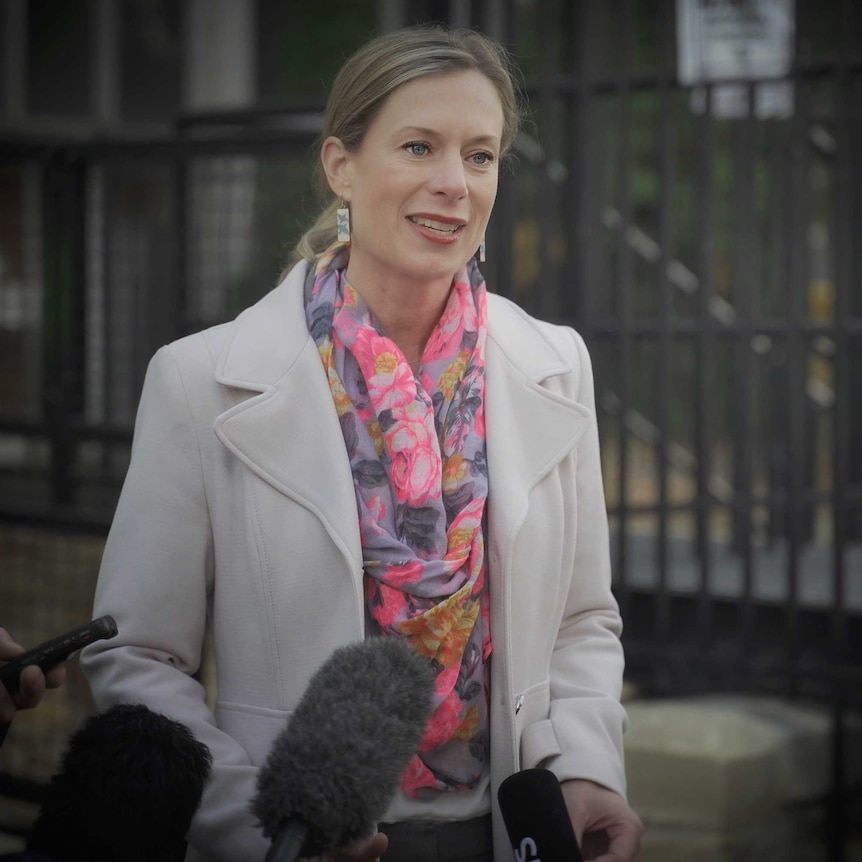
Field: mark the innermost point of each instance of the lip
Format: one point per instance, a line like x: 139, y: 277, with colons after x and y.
x: 432, y: 234
x: 460, y: 222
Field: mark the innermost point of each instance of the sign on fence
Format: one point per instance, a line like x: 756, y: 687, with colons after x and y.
x: 737, y: 40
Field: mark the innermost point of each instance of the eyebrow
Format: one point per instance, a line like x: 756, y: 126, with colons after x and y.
x: 431, y: 133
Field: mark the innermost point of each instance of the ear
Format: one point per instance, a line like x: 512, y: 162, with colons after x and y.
x: 334, y: 158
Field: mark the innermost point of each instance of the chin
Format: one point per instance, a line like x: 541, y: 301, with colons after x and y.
x: 445, y: 263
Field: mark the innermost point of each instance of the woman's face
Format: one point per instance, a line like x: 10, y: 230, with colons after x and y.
x: 423, y: 182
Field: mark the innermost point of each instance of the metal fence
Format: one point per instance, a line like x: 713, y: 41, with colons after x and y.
x: 708, y: 261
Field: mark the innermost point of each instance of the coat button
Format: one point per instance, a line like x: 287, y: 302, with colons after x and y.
x: 519, y: 702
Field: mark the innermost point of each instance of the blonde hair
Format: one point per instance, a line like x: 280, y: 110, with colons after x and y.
x: 377, y: 69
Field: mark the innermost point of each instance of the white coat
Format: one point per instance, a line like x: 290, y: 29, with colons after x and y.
x: 238, y: 507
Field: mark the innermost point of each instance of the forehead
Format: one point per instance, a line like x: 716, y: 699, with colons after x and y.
x: 463, y: 100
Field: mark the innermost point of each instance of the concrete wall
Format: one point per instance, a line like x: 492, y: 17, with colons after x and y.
x: 733, y: 779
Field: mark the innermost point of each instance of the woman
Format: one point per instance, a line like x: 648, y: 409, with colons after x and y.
x: 378, y: 446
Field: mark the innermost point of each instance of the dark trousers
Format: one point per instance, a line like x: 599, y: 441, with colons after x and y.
x: 430, y: 841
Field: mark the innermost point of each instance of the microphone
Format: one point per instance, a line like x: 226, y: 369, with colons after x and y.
x: 128, y: 786
x: 333, y: 770
x: 537, y: 820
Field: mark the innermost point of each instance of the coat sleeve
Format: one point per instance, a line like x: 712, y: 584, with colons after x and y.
x: 155, y: 579
x: 587, y: 661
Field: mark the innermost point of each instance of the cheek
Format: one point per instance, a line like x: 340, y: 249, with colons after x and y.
x: 374, y: 213
x: 386, y: 202
x: 485, y: 195
x: 482, y: 211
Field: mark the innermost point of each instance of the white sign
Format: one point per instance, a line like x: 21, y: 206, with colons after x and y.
x: 737, y: 40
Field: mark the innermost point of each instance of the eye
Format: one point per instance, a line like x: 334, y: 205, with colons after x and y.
x: 482, y: 158
x: 416, y: 148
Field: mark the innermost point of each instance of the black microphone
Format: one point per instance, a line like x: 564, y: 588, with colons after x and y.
x: 537, y: 820
x: 334, y: 769
x: 128, y: 786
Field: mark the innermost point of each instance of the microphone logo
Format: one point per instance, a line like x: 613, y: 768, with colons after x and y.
x: 528, y: 851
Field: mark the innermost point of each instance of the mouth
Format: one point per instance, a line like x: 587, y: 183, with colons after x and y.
x: 446, y: 228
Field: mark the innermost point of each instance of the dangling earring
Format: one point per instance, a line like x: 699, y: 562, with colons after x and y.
x: 482, y: 250
x: 342, y: 220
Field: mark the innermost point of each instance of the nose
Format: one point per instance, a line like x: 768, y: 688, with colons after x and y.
x: 450, y: 177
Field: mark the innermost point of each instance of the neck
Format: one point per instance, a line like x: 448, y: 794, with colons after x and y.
x: 409, y: 332
x: 408, y: 313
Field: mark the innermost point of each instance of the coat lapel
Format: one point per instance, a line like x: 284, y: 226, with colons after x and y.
x: 285, y: 427
x: 284, y: 418
x: 530, y: 428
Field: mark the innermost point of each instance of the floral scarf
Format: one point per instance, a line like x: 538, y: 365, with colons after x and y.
x: 417, y: 451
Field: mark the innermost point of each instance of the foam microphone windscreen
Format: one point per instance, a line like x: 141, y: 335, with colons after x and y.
x: 537, y: 820
x: 128, y: 786
x: 334, y: 769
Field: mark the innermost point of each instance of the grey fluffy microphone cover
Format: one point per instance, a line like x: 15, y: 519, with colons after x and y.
x: 337, y: 764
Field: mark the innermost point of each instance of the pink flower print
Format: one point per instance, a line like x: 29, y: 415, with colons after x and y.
x: 463, y: 537
x: 390, y: 381
x: 389, y: 604
x: 446, y: 336
x: 366, y: 346
x: 346, y: 330
x: 376, y: 512
x: 426, y: 380
x: 444, y: 722
x: 468, y: 320
x: 467, y: 522
x: 398, y: 574
x: 392, y: 386
x: 479, y: 422
x: 415, y: 462
x: 476, y: 565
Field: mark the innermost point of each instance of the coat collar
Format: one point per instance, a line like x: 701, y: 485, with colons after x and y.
x: 531, y: 425
x: 279, y: 431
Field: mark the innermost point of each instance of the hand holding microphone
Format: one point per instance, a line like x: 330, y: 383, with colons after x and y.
x: 610, y: 831
x: 536, y: 818
x: 30, y: 684
x: 543, y: 816
x: 26, y: 675
x: 334, y: 769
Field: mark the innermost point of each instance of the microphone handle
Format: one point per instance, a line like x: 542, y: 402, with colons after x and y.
x: 286, y: 846
x: 537, y: 818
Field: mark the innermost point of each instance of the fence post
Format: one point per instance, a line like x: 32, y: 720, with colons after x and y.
x: 63, y: 316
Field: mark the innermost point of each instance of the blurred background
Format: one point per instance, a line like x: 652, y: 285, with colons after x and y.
x: 686, y: 192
